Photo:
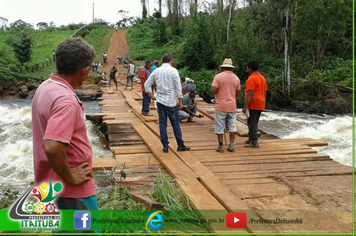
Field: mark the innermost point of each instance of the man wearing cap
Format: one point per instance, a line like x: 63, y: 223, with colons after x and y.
x: 190, y: 86
x: 255, y: 99
x: 155, y: 65
x: 189, y: 106
x: 226, y: 87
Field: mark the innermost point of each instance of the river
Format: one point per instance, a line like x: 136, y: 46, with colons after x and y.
x: 16, y: 163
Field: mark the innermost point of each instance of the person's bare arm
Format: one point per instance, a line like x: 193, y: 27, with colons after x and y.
x: 57, y: 158
x: 188, y: 111
x: 214, y: 90
x: 237, y: 93
x: 180, y: 103
x: 248, y: 99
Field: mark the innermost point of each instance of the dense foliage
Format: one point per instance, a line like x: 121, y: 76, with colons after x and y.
x: 23, y: 49
x: 320, y: 40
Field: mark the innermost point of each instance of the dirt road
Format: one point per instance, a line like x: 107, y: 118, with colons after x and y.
x: 118, y: 46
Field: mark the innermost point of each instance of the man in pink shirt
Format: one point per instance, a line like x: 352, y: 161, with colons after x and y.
x: 61, y: 149
x: 226, y: 86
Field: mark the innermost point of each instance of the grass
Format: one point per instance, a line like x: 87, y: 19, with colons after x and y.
x: 8, y: 197
x: 99, y: 38
x: 47, y: 42
x: 117, y: 197
x: 142, y: 45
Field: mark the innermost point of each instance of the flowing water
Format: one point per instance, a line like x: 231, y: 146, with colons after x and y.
x: 16, y: 162
x: 16, y: 159
x: 335, y: 130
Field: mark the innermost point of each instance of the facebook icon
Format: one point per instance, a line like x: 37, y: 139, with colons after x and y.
x: 82, y: 220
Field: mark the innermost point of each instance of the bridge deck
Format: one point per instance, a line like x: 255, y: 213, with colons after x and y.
x: 284, y: 178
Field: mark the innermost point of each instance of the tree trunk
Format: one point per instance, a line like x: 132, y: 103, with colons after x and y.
x: 175, y: 18
x: 286, y: 47
x: 228, y: 22
x: 144, y: 9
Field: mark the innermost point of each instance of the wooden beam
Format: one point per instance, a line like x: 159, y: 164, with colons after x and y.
x: 171, y: 162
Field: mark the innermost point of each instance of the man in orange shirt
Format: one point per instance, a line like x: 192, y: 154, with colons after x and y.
x: 226, y: 86
x: 255, y: 99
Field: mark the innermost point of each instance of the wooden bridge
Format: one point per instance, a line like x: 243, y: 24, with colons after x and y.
x: 284, y: 178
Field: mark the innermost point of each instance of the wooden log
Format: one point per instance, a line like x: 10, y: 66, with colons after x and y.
x: 145, y: 200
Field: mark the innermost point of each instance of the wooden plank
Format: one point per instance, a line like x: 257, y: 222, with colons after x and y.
x: 171, y: 162
x: 263, y: 190
x: 131, y: 151
x: 148, y: 202
x: 258, y: 174
x: 204, y: 204
x: 101, y: 163
x: 271, y: 161
x: 117, y: 143
x: 123, y: 137
x: 242, y: 129
x: 137, y: 110
x: 137, y: 159
x: 139, y: 94
x: 204, y: 154
x: 215, y: 186
x: 268, y: 159
x: 112, y: 103
x: 273, y: 166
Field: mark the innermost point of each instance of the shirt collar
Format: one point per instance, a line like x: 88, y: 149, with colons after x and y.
x: 166, y: 65
x: 60, y: 80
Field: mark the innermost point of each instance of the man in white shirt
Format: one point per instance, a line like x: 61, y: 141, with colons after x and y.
x: 130, y: 74
x: 169, y: 89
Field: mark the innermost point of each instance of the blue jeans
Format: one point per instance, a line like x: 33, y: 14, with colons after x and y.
x: 172, y: 114
x: 146, y: 101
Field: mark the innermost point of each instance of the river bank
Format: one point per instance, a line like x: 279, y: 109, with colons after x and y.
x: 305, y: 97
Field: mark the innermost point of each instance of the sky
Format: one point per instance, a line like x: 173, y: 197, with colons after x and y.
x: 64, y: 12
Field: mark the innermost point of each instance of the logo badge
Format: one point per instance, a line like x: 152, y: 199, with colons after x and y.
x: 82, y: 220
x: 39, y: 214
x: 155, y: 220
x: 236, y: 220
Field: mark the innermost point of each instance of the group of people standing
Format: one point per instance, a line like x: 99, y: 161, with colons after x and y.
x: 226, y: 87
x: 61, y: 148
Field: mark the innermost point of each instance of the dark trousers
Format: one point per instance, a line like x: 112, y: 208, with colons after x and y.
x: 172, y: 114
x: 252, y: 123
x: 146, y: 101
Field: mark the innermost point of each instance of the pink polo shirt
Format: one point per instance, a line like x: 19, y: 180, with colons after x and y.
x: 227, y: 83
x: 58, y: 115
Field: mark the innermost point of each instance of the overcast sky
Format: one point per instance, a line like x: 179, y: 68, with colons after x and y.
x: 64, y: 12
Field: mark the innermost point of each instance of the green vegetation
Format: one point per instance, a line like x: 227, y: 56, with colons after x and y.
x: 46, y: 40
x: 99, y: 38
x: 319, y: 41
x: 8, y: 197
x: 167, y: 193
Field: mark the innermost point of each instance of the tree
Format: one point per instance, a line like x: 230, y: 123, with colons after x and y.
x: 144, y: 9
x: 287, y: 33
x: 42, y: 25
x: 198, y: 49
x: 22, y: 47
x: 3, y: 22
x: 20, y: 24
x: 161, y: 37
x: 318, y: 23
x: 52, y: 24
x: 126, y: 21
